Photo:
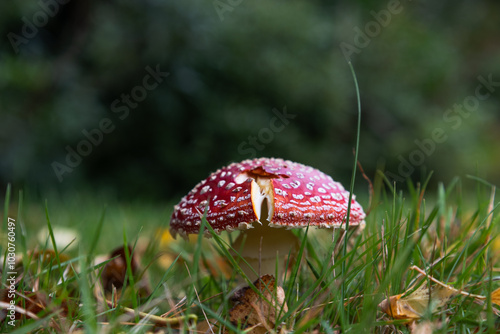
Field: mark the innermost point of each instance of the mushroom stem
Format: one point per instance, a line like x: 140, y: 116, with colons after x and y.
x: 264, y: 248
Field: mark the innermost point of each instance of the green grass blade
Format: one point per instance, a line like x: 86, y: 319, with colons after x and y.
x: 345, y: 315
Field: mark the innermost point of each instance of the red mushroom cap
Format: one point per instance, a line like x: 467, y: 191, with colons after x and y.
x: 300, y: 196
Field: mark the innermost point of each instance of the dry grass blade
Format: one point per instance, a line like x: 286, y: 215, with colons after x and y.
x: 157, y: 320
x: 18, y: 310
x: 491, y: 206
x: 370, y: 186
x: 198, y: 297
x: 447, y: 286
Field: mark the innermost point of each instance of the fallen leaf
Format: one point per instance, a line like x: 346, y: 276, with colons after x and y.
x: 495, y: 297
x: 166, y: 259
x: 114, y: 272
x: 47, y: 255
x: 167, y: 240
x: 413, y: 305
x: 258, y: 312
x: 207, y: 326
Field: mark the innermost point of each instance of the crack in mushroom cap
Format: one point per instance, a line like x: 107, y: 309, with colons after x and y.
x: 297, y: 196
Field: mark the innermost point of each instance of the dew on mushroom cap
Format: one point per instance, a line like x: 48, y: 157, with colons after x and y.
x: 265, y: 191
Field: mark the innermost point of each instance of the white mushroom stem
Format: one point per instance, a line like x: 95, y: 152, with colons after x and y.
x: 264, y: 248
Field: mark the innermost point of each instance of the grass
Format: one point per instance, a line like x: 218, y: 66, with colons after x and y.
x: 450, y: 233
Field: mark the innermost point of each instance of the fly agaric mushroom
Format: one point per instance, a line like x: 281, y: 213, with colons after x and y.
x: 265, y: 198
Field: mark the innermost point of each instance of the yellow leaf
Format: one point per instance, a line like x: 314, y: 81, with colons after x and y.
x: 165, y: 237
x: 390, y: 307
x: 495, y: 297
x: 415, y: 304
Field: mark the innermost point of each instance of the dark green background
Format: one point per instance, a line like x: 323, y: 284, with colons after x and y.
x: 227, y: 72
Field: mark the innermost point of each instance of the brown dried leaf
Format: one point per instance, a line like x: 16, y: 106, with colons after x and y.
x: 415, y: 304
x: 114, y: 272
x: 258, y: 313
x: 390, y: 306
x: 47, y: 255
x: 495, y: 297
x: 209, y: 326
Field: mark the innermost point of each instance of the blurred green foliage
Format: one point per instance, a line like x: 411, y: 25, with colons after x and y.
x: 228, y: 70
